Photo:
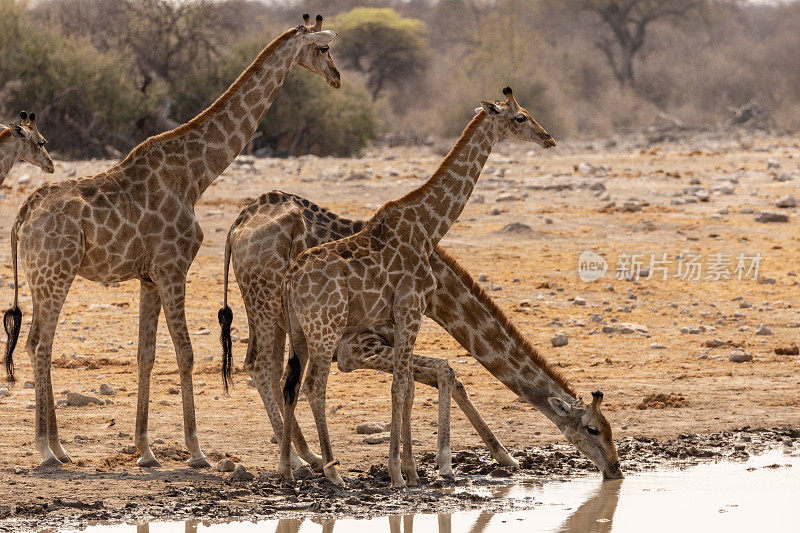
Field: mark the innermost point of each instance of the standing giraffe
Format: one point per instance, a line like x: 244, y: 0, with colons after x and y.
x: 269, y: 234
x: 381, y: 277
x: 136, y: 221
x: 21, y: 141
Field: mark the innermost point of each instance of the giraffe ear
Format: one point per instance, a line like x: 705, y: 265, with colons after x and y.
x: 560, y: 407
x: 322, y: 37
x: 490, y: 108
x: 18, y: 131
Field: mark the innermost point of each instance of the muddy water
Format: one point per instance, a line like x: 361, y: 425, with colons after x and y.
x: 761, y: 494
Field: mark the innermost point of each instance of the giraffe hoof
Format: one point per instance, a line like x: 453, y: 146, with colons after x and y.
x: 148, y: 463
x: 508, y: 462
x: 449, y: 478
x: 65, y: 459
x: 53, y: 462
x: 199, y: 462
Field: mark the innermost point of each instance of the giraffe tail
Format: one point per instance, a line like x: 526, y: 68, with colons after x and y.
x: 12, y: 319
x: 294, y: 370
x: 225, y: 317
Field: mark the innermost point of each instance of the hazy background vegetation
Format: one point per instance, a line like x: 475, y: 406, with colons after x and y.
x: 104, y: 74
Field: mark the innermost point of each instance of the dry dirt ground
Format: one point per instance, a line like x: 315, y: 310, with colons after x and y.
x: 616, y: 198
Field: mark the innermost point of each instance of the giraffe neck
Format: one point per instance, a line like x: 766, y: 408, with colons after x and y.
x: 433, y: 207
x: 213, y: 139
x: 462, y: 308
x: 9, y: 152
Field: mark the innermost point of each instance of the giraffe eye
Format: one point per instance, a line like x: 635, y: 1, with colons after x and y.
x: 41, y: 143
x: 592, y: 431
x: 520, y: 119
x: 324, y: 49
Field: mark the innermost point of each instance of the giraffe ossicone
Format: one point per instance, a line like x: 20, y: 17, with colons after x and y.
x: 136, y: 221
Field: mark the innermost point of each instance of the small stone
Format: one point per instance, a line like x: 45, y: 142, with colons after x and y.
x: 761, y: 329
x: 226, y: 465
x: 377, y: 438
x: 745, y: 305
x: 739, y: 356
x: 483, y: 277
x: 595, y: 317
x: 251, y: 383
x: 173, y: 390
x: 790, y: 350
x: 657, y: 346
x: 241, y: 474
x: 4, y: 392
x: 786, y: 201
x: 202, y: 331
x: 629, y: 327
x: 107, y: 390
x: 29, y: 385
x: 766, y: 216
x: 579, y: 301
x: 714, y: 343
x: 76, y: 399
x: 370, y: 428
x: 559, y: 340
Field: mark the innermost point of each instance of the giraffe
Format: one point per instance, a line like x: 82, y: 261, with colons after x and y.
x: 136, y: 221
x: 272, y: 230
x: 381, y: 277
x: 21, y: 141
x: 263, y: 241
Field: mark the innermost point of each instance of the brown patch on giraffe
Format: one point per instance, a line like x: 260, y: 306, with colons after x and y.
x: 5, y: 134
x: 220, y: 102
x: 504, y: 322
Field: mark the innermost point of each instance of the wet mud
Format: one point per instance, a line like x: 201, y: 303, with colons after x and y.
x: 188, y: 494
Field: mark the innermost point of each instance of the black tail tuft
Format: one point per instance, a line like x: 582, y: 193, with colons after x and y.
x: 225, y: 317
x: 293, y: 374
x: 12, y: 320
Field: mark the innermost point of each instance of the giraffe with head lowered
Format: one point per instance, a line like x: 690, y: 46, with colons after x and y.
x: 381, y: 277
x: 21, y: 141
x: 136, y: 221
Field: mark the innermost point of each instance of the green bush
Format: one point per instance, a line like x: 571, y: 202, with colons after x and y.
x: 306, y: 117
x: 85, y: 99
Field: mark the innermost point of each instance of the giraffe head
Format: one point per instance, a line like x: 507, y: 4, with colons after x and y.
x: 514, y: 121
x: 32, y: 144
x: 315, y: 53
x: 589, y: 431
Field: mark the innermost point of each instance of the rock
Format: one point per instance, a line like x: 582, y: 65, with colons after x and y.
x: 739, y: 356
x: 29, y: 385
x: 369, y: 428
x: 766, y: 216
x: 226, y: 465
x: 629, y: 327
x: 241, y: 474
x: 304, y: 472
x: 559, y: 340
x: 579, y: 301
x: 631, y: 207
x: 107, y: 390
x: 773, y: 164
x: 173, y: 390
x: 24, y: 179
x: 76, y: 399
x: 761, y: 329
x: 657, y: 346
x: 4, y: 392
x: 595, y: 317
x: 790, y: 350
x: 483, y: 277
x: 496, y: 211
x: 714, y: 343
x: 378, y: 438
x: 251, y: 383
x: 202, y: 331
x: 786, y: 201
x: 509, y: 198
x: 516, y: 227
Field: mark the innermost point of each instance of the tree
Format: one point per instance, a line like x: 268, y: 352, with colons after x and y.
x: 628, y: 21
x: 388, y: 48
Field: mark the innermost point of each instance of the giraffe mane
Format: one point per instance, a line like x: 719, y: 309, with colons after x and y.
x: 455, y: 151
x: 200, y: 119
x: 523, y: 343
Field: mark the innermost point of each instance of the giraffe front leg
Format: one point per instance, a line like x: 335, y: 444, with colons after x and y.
x: 52, y: 424
x: 149, y: 309
x: 498, y: 451
x: 172, y: 290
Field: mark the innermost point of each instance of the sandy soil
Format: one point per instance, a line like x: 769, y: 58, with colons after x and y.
x: 533, y: 274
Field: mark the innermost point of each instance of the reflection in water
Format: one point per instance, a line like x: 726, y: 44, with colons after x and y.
x: 597, y: 513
